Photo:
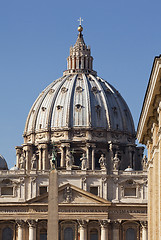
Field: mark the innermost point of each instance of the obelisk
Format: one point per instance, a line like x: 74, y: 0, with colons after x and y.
x: 53, y: 218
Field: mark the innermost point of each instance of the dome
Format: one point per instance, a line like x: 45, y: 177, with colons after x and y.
x: 3, y: 164
x: 14, y: 168
x: 129, y: 169
x: 79, y: 100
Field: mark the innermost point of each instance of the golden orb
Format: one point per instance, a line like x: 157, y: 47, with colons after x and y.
x: 80, y: 28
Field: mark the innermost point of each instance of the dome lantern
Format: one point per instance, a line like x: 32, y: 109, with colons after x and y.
x: 80, y: 59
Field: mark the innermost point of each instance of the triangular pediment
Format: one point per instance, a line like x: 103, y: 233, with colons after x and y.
x: 70, y: 194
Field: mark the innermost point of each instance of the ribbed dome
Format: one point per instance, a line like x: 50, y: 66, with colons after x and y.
x: 3, y: 164
x: 79, y: 100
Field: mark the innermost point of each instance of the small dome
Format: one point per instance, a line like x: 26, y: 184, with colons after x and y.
x: 14, y: 168
x: 3, y: 164
x: 129, y: 169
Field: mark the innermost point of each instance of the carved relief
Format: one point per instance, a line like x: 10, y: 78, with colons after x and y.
x: 58, y: 134
x: 98, y: 134
x: 64, y: 89
x: 40, y: 136
x: 51, y: 91
x: 68, y: 196
x: 79, y: 89
x: 116, y: 136
x: 78, y: 133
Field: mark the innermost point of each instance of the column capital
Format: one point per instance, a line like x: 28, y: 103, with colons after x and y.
x: 32, y: 223
x: 42, y: 146
x: 93, y: 146
x: 116, y: 224
x: 104, y: 223
x: 65, y: 145
x: 20, y: 223
x: 82, y: 223
x: 144, y: 224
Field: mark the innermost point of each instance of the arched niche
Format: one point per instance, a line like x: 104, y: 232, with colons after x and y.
x: 131, y: 230
x: 7, y: 233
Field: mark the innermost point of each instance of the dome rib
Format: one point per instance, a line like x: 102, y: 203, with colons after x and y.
x: 70, y: 101
x: 105, y: 102
x: 53, y: 103
x: 88, y: 101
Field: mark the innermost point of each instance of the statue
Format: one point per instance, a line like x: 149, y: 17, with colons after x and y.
x: 145, y: 163
x: 33, y: 162
x: 102, y: 161
x: 116, y: 162
x: 83, y: 159
x: 53, y: 158
x: 22, y: 161
x: 69, y: 160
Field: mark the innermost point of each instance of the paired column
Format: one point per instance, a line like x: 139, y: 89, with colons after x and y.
x: 104, y: 229
x: 116, y: 230
x: 62, y: 161
x: 144, y: 230
x: 88, y: 156
x: 32, y: 229
x: 44, y: 153
x: 40, y: 158
x: 83, y: 229
x: 20, y: 225
x: 93, y: 157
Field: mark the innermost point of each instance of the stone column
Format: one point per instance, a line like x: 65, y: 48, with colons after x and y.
x: 62, y: 162
x: 40, y: 158
x: 18, y: 154
x: 20, y: 225
x: 144, y: 230
x: 32, y: 229
x: 83, y: 229
x: 82, y: 62
x: 77, y: 62
x: 44, y: 150
x: 93, y: 157
x: 116, y: 230
x: 87, y: 153
x: 104, y: 229
x: 28, y: 150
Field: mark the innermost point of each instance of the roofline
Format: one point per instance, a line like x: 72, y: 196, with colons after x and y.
x: 146, y: 93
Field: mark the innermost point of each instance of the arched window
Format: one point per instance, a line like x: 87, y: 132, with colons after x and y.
x: 7, y: 234
x: 68, y: 234
x: 93, y: 234
x: 131, y: 234
x: 43, y: 234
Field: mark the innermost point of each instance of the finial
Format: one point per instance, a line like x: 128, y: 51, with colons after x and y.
x: 80, y: 28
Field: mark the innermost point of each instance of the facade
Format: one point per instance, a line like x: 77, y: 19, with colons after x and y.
x: 149, y: 134
x: 102, y: 178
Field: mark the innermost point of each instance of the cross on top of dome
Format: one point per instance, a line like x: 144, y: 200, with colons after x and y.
x: 80, y: 20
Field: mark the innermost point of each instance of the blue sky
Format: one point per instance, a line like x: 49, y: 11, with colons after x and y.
x: 35, y: 37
